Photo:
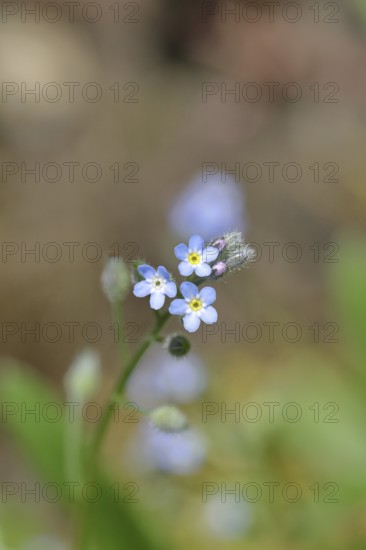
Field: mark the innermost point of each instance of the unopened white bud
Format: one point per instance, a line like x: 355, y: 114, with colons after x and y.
x: 115, y: 279
x: 83, y: 377
x: 169, y: 419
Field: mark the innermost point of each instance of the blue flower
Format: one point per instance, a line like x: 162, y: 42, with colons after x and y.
x: 195, y: 307
x: 227, y: 519
x: 151, y: 450
x: 209, y: 205
x: 195, y: 258
x: 161, y: 378
x: 157, y: 283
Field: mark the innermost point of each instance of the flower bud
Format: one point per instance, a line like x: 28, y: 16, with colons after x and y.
x: 238, y: 259
x: 178, y: 345
x: 233, y: 240
x: 218, y: 270
x: 251, y: 253
x: 83, y: 377
x: 168, y: 419
x: 115, y: 279
x: 219, y: 243
x: 234, y: 253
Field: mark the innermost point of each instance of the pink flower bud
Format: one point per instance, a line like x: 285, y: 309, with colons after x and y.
x: 220, y: 244
x: 219, y: 269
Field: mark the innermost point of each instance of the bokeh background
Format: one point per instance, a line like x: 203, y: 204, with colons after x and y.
x: 139, y: 188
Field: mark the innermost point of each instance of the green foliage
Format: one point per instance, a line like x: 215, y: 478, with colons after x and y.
x: 348, y: 286
x: 111, y: 522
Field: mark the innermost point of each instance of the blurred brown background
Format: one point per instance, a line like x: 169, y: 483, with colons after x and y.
x: 160, y: 54
x: 168, y: 52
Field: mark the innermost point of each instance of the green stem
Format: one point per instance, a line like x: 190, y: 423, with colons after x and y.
x: 153, y: 336
x: 118, y: 318
x: 102, y: 428
x: 72, y: 437
x: 122, y: 381
x: 93, y: 451
x: 74, y: 463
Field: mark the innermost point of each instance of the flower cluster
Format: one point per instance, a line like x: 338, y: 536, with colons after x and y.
x: 199, y: 262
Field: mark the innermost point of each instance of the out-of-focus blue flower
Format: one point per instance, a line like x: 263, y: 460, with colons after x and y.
x: 209, y: 208
x: 195, y: 257
x: 178, y: 453
x: 227, y: 520
x: 161, y: 378
x: 157, y: 283
x: 195, y: 307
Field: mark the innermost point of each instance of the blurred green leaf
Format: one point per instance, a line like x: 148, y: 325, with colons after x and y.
x: 113, y: 521
x: 348, y: 286
x: 360, y: 5
x: 42, y: 441
x: 113, y: 525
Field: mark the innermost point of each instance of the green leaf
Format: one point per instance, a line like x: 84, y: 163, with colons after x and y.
x: 348, y: 285
x: 112, y: 523
x: 22, y: 392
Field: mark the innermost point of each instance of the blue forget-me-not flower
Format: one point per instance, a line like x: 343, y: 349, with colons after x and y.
x: 195, y: 257
x: 195, y: 307
x: 157, y: 284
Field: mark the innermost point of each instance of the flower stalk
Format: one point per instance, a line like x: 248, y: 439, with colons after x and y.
x: 153, y: 336
x: 191, y: 305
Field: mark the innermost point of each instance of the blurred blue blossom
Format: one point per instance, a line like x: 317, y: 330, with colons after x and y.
x: 176, y: 453
x: 209, y: 208
x: 227, y: 520
x: 161, y: 378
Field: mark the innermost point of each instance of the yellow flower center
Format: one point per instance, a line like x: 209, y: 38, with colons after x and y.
x: 194, y: 258
x: 195, y: 304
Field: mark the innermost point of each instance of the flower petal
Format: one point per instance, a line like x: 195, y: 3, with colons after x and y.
x: 203, y: 270
x: 157, y: 300
x: 210, y: 254
x: 170, y: 289
x: 209, y: 315
x: 178, y: 307
x: 208, y: 295
x: 185, y: 268
x: 146, y: 271
x: 141, y: 289
x: 189, y: 290
x: 163, y: 273
x: 196, y: 243
x: 191, y: 322
x: 181, y: 251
